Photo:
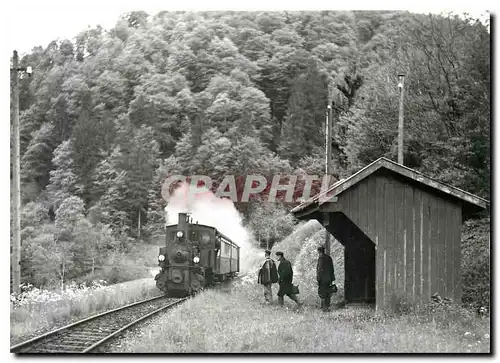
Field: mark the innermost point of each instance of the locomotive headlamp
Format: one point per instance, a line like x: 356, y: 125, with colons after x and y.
x: 180, y: 234
x: 161, y: 258
x: 196, y: 259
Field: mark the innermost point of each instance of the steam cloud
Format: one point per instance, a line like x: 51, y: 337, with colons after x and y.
x: 206, y: 208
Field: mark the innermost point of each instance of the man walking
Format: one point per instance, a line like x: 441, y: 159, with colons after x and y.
x: 325, y: 276
x: 268, y: 275
x: 285, y: 279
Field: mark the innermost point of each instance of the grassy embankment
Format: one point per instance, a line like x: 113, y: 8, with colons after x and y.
x: 237, y: 321
x: 38, y: 310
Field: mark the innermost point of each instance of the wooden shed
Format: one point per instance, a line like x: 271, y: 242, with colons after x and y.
x: 401, y: 233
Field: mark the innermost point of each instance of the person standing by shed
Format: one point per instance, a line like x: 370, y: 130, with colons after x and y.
x: 325, y: 276
x: 268, y: 275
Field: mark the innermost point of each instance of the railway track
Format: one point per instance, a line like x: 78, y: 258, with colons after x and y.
x: 86, y: 335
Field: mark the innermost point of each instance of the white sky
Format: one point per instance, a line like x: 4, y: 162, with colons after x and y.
x: 40, y: 22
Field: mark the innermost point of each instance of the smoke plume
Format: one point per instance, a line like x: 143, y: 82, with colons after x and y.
x: 207, y: 209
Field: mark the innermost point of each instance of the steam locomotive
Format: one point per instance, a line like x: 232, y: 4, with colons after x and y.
x: 195, y: 256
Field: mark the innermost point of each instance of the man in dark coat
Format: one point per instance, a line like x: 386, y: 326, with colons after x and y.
x: 268, y: 275
x: 325, y: 276
x: 285, y: 273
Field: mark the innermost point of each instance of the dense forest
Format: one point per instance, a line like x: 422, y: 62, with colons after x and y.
x: 108, y: 115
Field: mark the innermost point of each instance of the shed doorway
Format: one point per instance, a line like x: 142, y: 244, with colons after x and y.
x: 359, y: 259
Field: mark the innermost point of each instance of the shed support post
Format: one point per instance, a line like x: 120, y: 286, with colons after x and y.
x: 327, y: 236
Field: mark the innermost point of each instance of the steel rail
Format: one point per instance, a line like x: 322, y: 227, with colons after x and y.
x: 19, y: 348
x: 102, y: 341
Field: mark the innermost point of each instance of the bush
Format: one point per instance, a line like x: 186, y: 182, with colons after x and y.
x: 292, y: 244
x: 475, y: 266
x: 445, y: 314
x: 270, y: 222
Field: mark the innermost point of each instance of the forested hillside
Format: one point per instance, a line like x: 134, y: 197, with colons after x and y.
x: 108, y: 115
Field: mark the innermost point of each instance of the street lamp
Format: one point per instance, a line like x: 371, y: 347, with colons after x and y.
x: 401, y: 79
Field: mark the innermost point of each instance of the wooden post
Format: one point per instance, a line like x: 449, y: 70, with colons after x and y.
x: 16, y: 193
x: 139, y: 225
x: 328, y: 170
x: 401, y: 86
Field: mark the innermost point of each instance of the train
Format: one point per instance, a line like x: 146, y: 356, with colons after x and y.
x: 194, y: 257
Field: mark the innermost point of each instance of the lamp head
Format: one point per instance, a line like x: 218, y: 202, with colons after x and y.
x: 401, y: 79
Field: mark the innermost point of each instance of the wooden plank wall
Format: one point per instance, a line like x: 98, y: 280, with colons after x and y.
x: 417, y: 236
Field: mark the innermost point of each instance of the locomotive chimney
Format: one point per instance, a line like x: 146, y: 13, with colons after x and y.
x: 182, y: 221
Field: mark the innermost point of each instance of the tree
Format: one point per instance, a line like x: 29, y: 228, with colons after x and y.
x: 92, y: 137
x: 233, y: 105
x: 125, y: 179
x: 91, y: 243
x: 156, y: 202
x: 270, y: 222
x: 303, y: 130
x: 68, y: 214
x: 162, y: 102
x: 63, y: 181
x: 40, y: 262
x: 36, y: 162
x: 445, y: 133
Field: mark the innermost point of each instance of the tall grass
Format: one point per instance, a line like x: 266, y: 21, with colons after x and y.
x: 237, y: 321
x: 39, y: 309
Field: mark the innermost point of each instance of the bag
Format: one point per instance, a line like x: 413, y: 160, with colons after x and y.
x: 333, y: 289
x: 295, y: 289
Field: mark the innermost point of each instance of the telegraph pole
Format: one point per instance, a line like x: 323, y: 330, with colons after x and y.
x: 328, y: 169
x: 16, y: 175
x: 401, y: 86
x: 16, y: 196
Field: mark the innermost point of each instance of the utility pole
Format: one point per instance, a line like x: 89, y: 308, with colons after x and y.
x: 401, y: 86
x: 328, y: 169
x: 16, y: 196
x: 16, y: 193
